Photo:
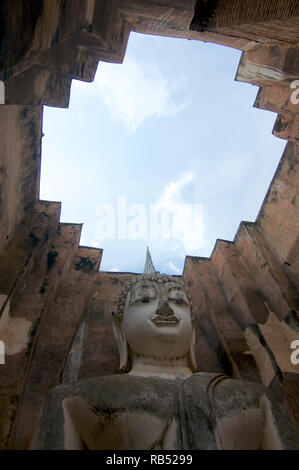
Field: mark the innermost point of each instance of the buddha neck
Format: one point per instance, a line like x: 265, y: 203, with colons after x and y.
x: 154, y: 366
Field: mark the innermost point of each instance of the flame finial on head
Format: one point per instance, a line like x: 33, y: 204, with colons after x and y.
x: 149, y: 268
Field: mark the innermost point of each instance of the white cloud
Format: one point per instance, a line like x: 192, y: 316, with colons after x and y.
x: 137, y: 92
x: 174, y: 191
x: 181, y: 218
x: 173, y: 268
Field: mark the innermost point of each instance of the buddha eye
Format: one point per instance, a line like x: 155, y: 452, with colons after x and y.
x: 177, y: 300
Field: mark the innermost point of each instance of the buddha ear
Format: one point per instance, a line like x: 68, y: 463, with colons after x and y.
x: 121, y: 342
x: 191, y: 352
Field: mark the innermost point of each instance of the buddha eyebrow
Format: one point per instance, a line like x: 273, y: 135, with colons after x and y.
x: 178, y: 289
x: 144, y: 290
x: 179, y: 294
x: 145, y: 287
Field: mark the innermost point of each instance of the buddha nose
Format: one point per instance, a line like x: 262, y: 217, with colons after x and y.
x: 164, y: 309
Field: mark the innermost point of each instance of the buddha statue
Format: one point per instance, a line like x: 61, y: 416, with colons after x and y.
x: 159, y: 400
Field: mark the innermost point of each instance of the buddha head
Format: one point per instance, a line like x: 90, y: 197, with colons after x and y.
x: 154, y: 319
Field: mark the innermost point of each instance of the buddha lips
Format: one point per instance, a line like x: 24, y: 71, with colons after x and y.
x: 161, y: 320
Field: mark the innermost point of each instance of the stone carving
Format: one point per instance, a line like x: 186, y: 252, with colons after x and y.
x: 160, y: 401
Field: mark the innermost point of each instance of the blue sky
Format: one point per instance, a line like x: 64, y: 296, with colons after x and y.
x: 167, y: 128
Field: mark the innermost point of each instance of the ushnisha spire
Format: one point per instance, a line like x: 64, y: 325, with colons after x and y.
x: 149, y: 268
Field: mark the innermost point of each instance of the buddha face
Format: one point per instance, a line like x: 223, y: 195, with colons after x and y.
x: 157, y: 320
